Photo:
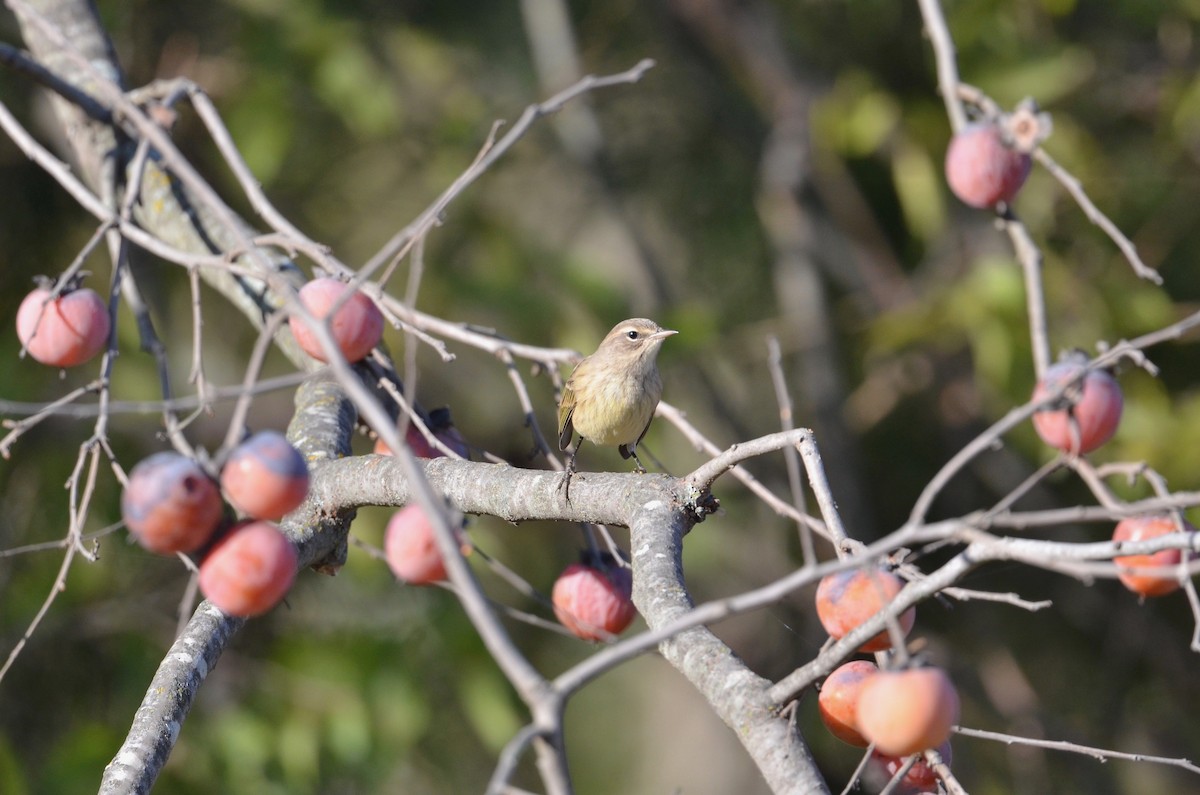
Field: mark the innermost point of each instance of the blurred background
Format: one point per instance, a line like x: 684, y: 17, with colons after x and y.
x: 778, y: 173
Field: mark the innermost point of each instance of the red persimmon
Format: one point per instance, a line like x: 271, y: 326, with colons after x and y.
x: 920, y: 778
x: 416, y: 441
x: 443, y: 429
x: 838, y: 700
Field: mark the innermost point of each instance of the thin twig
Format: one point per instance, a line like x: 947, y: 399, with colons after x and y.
x: 947, y: 66
x: 703, y: 444
x: 790, y: 457
x: 62, y: 174
x: 433, y: 214
x: 1101, y: 754
x: 1030, y: 258
x: 1075, y: 188
x: 66, y: 407
x: 41, y: 412
x: 540, y: 445
x: 237, y: 422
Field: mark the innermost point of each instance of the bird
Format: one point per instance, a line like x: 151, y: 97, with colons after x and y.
x: 610, y: 397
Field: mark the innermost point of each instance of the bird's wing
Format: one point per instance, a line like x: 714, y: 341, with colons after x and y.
x: 566, y: 429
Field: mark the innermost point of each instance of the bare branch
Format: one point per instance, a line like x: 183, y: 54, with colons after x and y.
x: 1101, y: 754
x: 1075, y: 188
x: 947, y: 66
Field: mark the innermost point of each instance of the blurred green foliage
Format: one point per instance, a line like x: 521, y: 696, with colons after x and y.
x: 356, y: 114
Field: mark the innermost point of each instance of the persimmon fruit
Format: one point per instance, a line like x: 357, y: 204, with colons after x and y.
x: 411, y: 549
x: 981, y: 169
x: 921, y: 779
x: 443, y: 429
x: 418, y: 445
x: 904, y: 712
x: 356, y: 324
x: 265, y: 477
x: 171, y: 504
x: 848, y: 598
x: 249, y: 570
x: 1143, y: 528
x: 63, y: 331
x: 593, y: 598
x: 838, y: 700
x: 1092, y: 409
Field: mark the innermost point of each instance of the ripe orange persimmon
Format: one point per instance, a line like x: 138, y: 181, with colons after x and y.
x: 249, y: 570
x: 904, y: 712
x: 848, y: 598
x: 1142, y: 528
x: 265, y: 477
x: 838, y: 700
x: 171, y: 504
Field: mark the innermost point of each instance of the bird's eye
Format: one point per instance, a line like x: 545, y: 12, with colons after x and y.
x: 632, y: 334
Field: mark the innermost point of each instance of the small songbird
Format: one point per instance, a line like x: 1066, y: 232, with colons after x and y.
x: 611, y: 395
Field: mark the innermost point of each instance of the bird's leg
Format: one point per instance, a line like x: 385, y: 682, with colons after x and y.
x: 630, y: 451
x: 565, y: 484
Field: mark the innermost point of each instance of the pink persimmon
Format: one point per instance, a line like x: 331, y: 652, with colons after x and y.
x: 981, y: 169
x: 411, y: 549
x: 356, y: 325
x: 171, y: 504
x: 265, y: 477
x: 593, y: 599
x: 1092, y: 409
x: 249, y: 570
x: 63, y: 331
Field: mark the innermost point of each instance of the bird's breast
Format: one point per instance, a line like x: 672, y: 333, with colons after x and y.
x: 615, y: 411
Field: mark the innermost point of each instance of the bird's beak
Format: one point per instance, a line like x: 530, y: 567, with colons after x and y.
x: 662, y: 335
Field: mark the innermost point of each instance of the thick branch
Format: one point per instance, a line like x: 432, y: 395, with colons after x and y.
x: 738, y: 695
x: 157, y: 723
x: 500, y: 490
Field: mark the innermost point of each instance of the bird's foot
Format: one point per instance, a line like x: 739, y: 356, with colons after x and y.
x: 564, y: 484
